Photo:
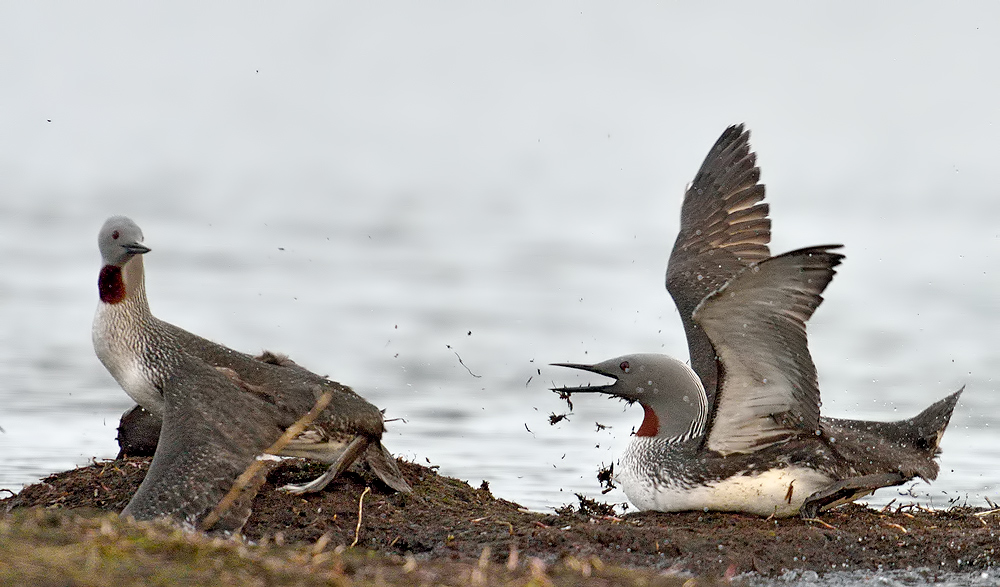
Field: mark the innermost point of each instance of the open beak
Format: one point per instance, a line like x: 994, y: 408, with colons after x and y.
x: 584, y: 388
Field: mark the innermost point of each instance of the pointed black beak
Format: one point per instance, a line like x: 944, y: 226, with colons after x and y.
x: 584, y: 388
x: 136, y: 248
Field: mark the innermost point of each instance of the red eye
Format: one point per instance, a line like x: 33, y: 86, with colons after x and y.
x: 115, y: 235
x: 624, y: 366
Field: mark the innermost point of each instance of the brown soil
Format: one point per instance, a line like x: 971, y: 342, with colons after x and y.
x: 447, y: 520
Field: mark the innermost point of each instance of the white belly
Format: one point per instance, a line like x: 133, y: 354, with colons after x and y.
x: 136, y: 383
x: 778, y: 492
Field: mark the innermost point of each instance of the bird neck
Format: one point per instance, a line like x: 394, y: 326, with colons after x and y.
x: 124, y: 287
x: 650, y: 422
x: 677, y: 416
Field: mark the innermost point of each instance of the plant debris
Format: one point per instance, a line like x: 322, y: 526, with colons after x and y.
x: 606, y: 477
x: 445, y: 522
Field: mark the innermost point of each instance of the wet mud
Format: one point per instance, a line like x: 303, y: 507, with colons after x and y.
x: 447, y: 519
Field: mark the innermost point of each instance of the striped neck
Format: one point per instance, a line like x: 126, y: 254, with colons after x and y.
x: 676, y: 421
x: 124, y: 287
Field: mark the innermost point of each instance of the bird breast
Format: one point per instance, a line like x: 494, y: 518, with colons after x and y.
x: 652, y: 483
x: 121, y: 353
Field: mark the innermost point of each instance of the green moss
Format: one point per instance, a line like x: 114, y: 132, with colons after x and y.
x: 69, y: 548
x: 81, y: 548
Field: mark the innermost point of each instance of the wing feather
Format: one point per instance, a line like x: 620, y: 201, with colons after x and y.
x: 213, y: 429
x: 757, y: 325
x: 724, y: 228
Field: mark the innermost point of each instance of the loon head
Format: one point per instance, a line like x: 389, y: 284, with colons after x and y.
x: 670, y: 393
x: 120, y: 243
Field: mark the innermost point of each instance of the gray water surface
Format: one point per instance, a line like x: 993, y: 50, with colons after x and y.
x: 456, y: 340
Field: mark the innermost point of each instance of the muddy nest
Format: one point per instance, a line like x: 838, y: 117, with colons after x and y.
x: 447, y: 519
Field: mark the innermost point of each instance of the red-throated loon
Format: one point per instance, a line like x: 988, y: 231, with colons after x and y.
x: 740, y: 430
x: 219, y: 408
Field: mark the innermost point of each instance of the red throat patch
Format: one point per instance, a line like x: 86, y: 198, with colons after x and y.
x: 110, y: 285
x: 650, y: 423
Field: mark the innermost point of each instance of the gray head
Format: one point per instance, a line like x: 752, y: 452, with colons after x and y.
x: 668, y: 390
x: 120, y: 239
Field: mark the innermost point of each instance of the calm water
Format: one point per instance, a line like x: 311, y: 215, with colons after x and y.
x: 393, y: 295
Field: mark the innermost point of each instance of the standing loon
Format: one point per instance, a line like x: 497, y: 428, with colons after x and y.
x: 219, y: 408
x: 740, y: 430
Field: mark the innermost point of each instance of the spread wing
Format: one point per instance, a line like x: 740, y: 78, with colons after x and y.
x: 757, y: 325
x: 724, y: 228
x: 213, y: 429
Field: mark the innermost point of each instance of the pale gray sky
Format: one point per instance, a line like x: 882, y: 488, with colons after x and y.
x: 399, y: 95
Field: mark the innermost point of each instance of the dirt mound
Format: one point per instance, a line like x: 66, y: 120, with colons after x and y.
x: 447, y: 519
